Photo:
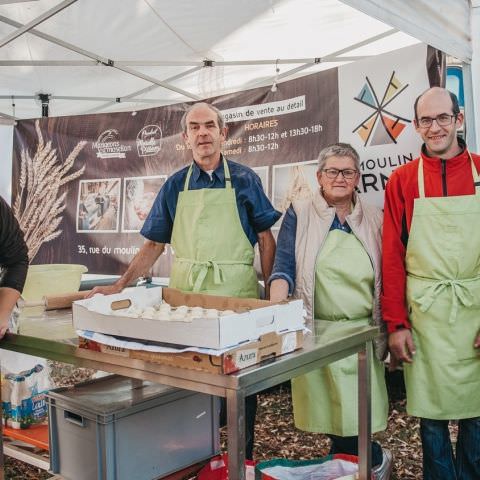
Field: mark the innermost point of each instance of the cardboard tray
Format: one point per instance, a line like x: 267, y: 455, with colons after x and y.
x: 268, y: 346
x: 253, y: 318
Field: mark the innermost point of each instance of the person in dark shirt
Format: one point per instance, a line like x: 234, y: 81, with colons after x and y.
x: 212, y: 212
x: 13, y: 263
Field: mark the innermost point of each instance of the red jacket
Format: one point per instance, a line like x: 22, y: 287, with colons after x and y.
x: 442, y: 177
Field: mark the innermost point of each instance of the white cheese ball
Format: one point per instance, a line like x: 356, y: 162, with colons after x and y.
x: 182, y: 309
x: 178, y: 316
x: 164, y: 307
x: 149, y: 313
x: 163, y: 316
x: 197, y: 312
x: 134, y: 312
x: 211, y: 313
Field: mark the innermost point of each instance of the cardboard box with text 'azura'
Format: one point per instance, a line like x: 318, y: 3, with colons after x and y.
x: 268, y: 346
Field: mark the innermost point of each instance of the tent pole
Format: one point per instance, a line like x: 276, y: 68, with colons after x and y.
x: 471, y: 80
x: 130, y: 96
x: 48, y: 63
x: 328, y: 58
x: 169, y: 79
x: 106, y: 61
x: 470, y: 114
x: 150, y: 79
x: 36, y: 21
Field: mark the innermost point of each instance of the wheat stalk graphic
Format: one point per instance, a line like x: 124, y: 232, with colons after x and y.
x: 39, y: 205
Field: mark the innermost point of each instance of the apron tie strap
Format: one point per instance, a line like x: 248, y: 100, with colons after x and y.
x: 461, y: 294
x: 202, y: 273
x: 202, y: 267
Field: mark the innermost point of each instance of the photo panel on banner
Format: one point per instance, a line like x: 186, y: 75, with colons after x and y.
x: 97, y: 206
x: 293, y: 181
x: 139, y: 193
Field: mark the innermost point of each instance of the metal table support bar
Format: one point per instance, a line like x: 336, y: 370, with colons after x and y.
x: 236, y: 433
x: 317, y: 351
x: 364, y: 411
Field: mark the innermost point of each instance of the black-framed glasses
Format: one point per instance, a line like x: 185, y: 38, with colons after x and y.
x: 443, y: 120
x: 347, y: 173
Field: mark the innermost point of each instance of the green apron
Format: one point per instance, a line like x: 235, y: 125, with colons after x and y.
x: 326, y: 400
x: 443, y: 295
x: 212, y: 252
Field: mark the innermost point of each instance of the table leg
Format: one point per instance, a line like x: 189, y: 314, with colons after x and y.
x: 236, y: 434
x: 364, y: 412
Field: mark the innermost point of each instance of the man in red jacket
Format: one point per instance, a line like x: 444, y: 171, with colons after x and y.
x: 431, y: 286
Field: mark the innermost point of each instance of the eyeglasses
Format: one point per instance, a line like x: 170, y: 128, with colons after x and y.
x: 347, y: 173
x: 443, y: 120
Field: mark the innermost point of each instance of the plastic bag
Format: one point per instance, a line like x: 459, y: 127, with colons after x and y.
x: 38, y: 383
x: 20, y: 403
x: 331, y: 467
x: 23, y: 397
x: 6, y: 399
x: 217, y: 469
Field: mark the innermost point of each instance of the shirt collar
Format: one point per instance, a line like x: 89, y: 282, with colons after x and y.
x: 219, y: 172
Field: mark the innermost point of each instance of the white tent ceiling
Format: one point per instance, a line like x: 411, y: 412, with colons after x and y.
x: 158, y: 49
x: 111, y: 55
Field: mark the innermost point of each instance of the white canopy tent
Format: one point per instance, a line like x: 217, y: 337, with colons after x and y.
x: 84, y: 56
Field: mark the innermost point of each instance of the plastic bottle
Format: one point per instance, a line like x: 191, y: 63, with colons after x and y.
x: 16, y: 402
x: 21, y: 401
x: 6, y: 403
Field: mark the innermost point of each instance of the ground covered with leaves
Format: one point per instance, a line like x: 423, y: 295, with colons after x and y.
x: 276, y: 435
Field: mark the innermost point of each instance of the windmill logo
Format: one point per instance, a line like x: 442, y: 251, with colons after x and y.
x: 382, y: 126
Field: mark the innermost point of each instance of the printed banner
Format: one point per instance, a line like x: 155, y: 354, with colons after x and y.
x: 376, y: 114
x: 83, y: 185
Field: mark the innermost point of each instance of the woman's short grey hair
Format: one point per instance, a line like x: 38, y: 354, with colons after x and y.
x: 220, y: 119
x: 338, y: 150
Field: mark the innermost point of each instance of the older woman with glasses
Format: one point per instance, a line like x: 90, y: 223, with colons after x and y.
x: 329, y: 255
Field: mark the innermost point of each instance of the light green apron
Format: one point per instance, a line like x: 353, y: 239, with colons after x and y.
x: 443, y: 295
x: 212, y: 252
x: 326, y: 400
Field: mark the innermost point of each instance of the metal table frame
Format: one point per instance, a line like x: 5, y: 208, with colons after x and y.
x: 235, y: 387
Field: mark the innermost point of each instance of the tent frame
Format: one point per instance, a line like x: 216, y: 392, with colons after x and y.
x: 125, y: 66
x: 453, y: 27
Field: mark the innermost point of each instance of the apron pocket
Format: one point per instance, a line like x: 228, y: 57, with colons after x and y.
x: 465, y: 350
x: 347, y: 366
x: 463, y: 339
x: 467, y: 327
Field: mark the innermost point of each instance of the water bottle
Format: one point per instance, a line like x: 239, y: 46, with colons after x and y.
x: 6, y: 403
x: 21, y: 400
